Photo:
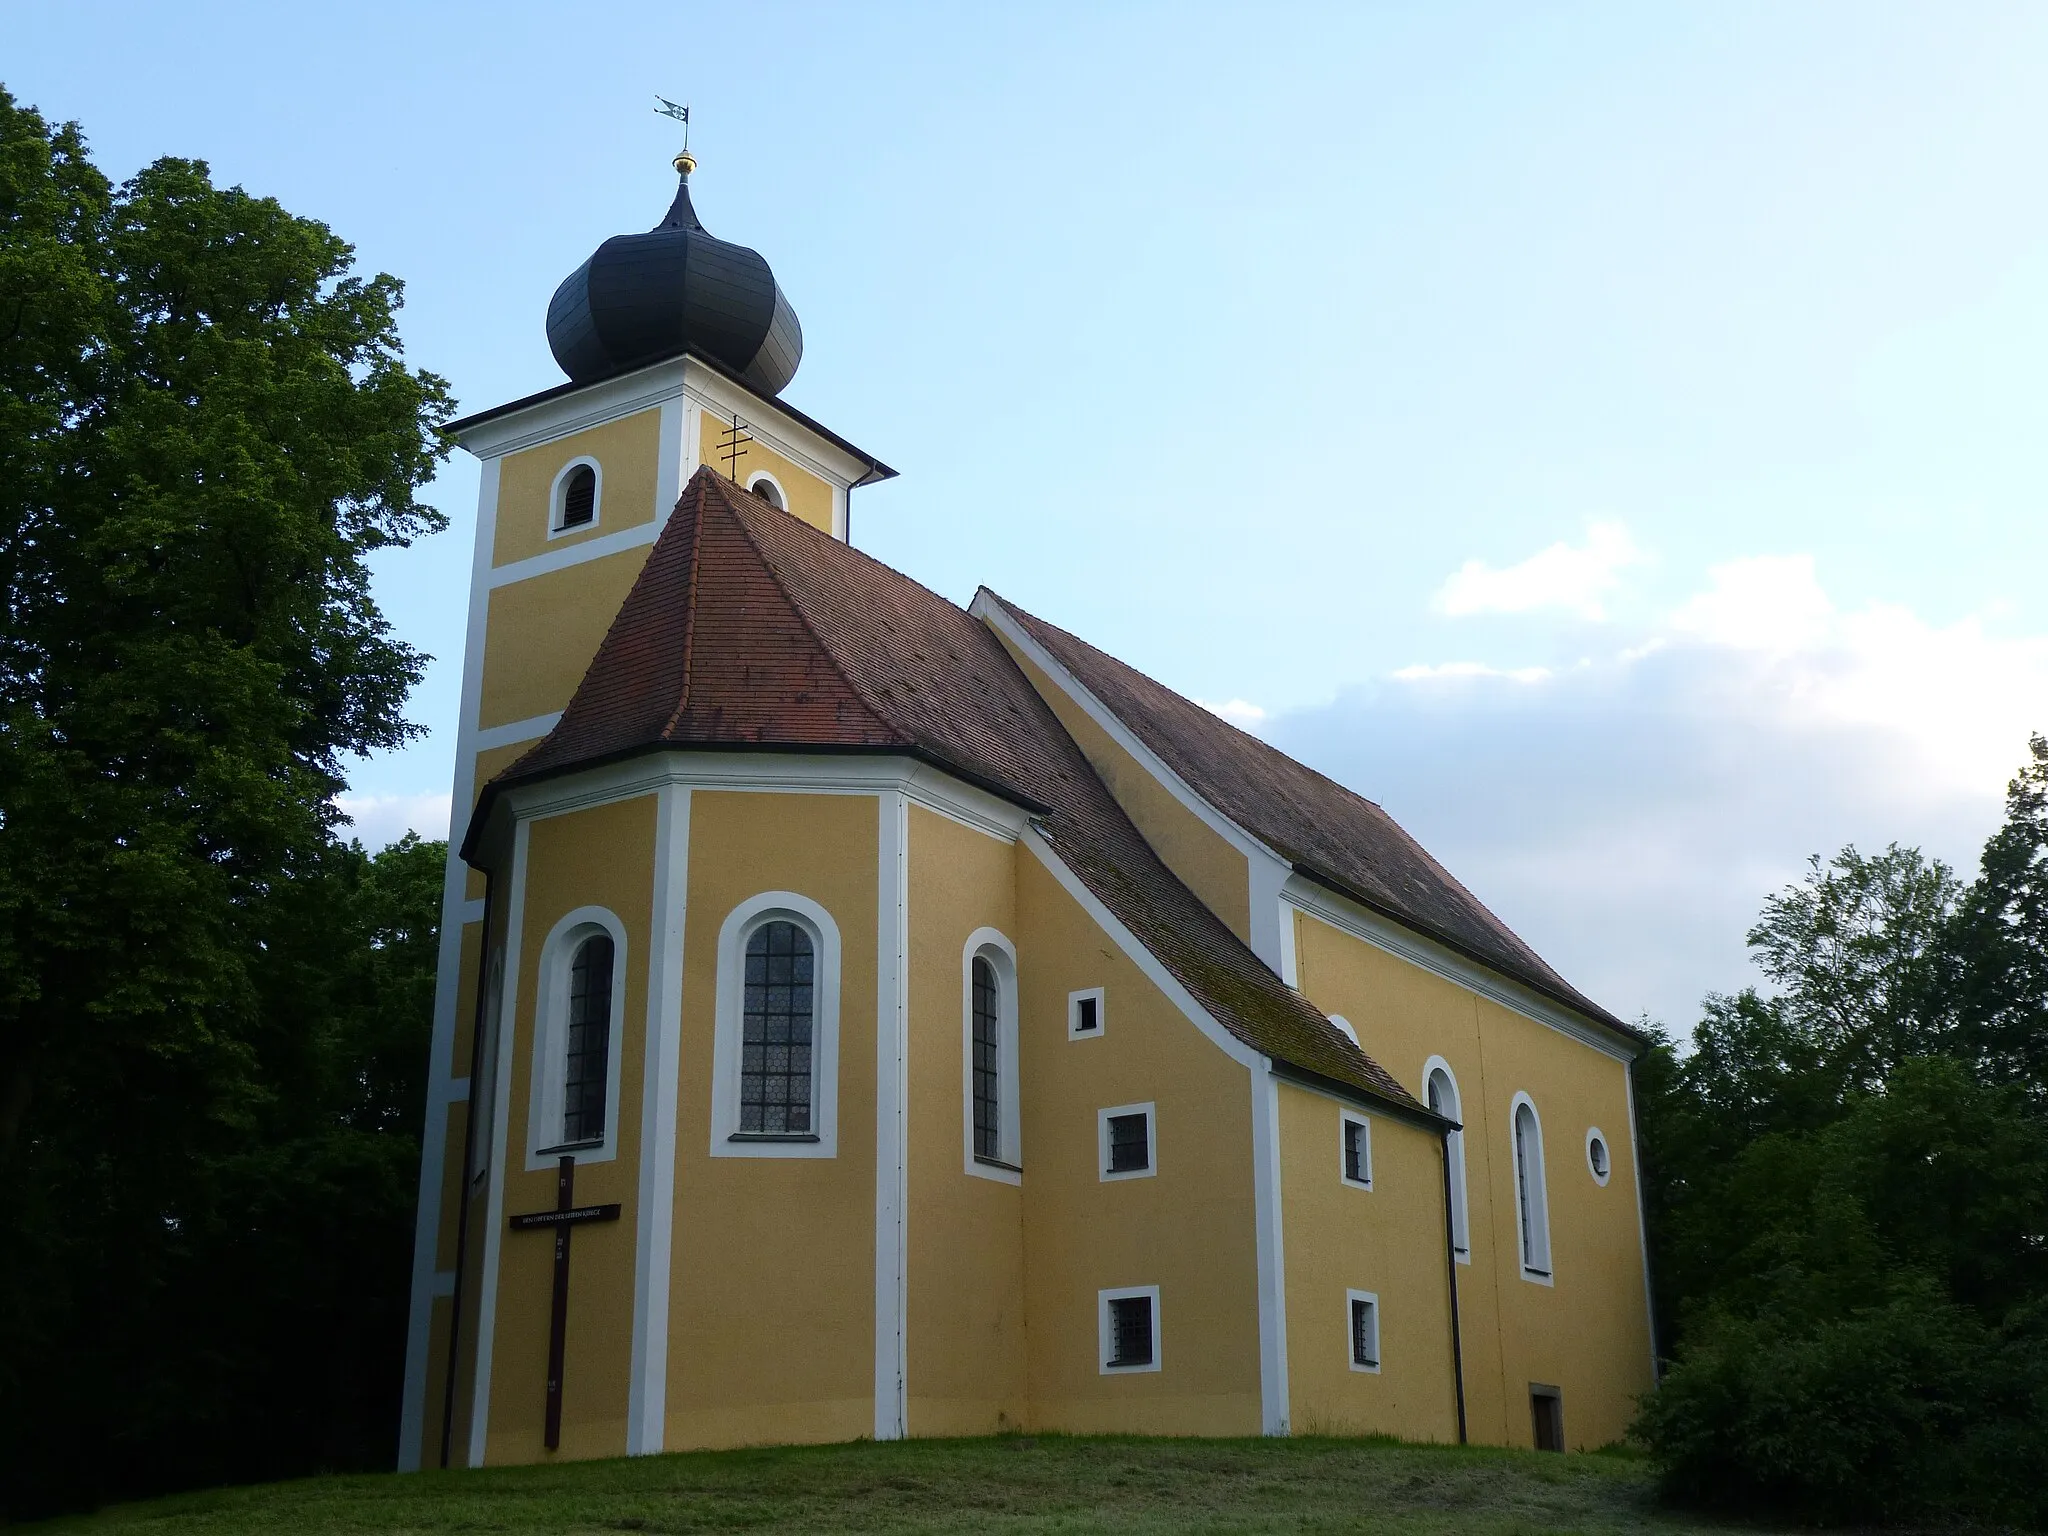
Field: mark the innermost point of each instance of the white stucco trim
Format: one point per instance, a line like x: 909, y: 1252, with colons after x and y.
x: 1347, y: 917
x: 1536, y: 1224
x: 994, y: 946
x: 647, y: 1393
x: 414, y: 1410
x: 547, y: 420
x: 1372, y: 1300
x: 668, y: 461
x: 1594, y: 1171
x: 1461, y: 1199
x: 494, y: 1202
x: 1346, y: 1118
x: 580, y: 553
x: 511, y: 733
x: 728, y: 1026
x: 544, y: 1147
x: 1117, y: 1112
x: 558, y: 497
x: 780, y: 500
x: 892, y: 1106
x: 1275, y: 1415
x: 1104, y: 1333
x: 1100, y: 998
x: 775, y: 773
x: 1635, y: 1159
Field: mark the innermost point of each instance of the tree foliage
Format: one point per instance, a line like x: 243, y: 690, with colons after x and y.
x: 1849, y: 1197
x: 211, y: 1011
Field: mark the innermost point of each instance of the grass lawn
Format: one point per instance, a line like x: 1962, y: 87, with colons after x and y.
x: 1047, y: 1483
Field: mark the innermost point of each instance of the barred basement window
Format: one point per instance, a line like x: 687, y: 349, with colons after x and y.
x: 1126, y: 1136
x: 579, y: 498
x: 775, y: 1054
x: 589, y: 1053
x: 1365, y: 1331
x: 1130, y: 1332
x: 988, y: 1109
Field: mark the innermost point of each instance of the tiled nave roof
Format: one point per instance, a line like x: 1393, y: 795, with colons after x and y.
x: 1329, y: 834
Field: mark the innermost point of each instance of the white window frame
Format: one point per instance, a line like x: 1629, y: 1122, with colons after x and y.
x: 1105, y: 1334
x: 1532, y: 1228
x: 1074, y: 1015
x: 558, y: 494
x: 759, y: 476
x: 993, y: 946
x: 1344, y: 1025
x: 1370, y: 1298
x: 1346, y: 1118
x: 729, y: 1026
x: 1102, y: 1119
x: 1593, y: 1134
x: 1461, y: 1208
x: 544, y: 1145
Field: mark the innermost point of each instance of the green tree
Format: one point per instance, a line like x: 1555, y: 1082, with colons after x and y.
x: 206, y: 425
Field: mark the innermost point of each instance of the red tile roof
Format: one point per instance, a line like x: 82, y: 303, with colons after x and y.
x: 750, y: 630
x: 1330, y: 834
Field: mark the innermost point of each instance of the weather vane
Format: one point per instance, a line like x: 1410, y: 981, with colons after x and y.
x: 681, y: 113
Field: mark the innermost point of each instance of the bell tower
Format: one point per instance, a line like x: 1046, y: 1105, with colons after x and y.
x: 677, y: 346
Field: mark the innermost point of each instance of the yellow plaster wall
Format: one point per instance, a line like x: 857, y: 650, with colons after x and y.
x: 966, y: 1370
x: 771, y: 1321
x: 627, y: 452
x: 1189, y: 1230
x: 810, y: 498
x: 540, y: 634
x: 602, y: 856
x: 1588, y: 1333
x: 490, y: 762
x: 1205, y: 863
x: 1388, y: 1240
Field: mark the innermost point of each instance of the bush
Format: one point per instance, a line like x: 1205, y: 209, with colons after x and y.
x: 1909, y: 1410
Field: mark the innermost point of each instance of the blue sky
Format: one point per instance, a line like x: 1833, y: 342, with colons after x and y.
x: 1609, y: 436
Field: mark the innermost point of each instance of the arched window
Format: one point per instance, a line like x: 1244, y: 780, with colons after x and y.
x: 1532, y: 1205
x: 988, y: 1044
x: 576, y: 1039
x: 778, y: 1038
x: 989, y: 1049
x: 1441, y: 1093
x: 775, y: 1043
x: 575, y: 497
x: 764, y: 486
x: 589, y: 1045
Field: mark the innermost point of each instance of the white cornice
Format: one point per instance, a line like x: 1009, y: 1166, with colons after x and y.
x: 773, y: 773
x: 1368, y: 926
x: 774, y: 427
x: 547, y: 420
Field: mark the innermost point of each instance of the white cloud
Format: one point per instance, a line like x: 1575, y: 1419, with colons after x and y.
x: 1628, y: 815
x: 1563, y: 576
x: 1447, y: 671
x: 382, y: 819
x: 1241, y: 713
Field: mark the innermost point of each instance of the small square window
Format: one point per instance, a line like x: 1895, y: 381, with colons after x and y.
x: 1126, y: 1144
x: 1365, y: 1331
x: 1084, y: 1014
x: 1128, y: 1322
x: 1355, y: 1149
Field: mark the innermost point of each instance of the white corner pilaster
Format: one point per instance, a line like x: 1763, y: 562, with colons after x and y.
x: 1272, y: 1255
x: 892, y: 1093
x: 647, y: 1397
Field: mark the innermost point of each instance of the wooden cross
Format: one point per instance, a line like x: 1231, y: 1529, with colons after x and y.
x: 562, y: 1221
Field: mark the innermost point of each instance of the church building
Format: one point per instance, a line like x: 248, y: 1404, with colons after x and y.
x: 864, y: 1016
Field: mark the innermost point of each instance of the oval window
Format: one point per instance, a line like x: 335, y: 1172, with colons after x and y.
x: 1598, y: 1161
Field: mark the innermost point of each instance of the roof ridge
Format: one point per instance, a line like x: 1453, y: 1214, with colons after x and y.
x: 739, y: 517
x: 689, y: 606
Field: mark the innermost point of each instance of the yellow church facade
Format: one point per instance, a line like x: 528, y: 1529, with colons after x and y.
x: 861, y: 1016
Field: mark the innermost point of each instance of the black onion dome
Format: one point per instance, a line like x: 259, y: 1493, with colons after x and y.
x: 640, y: 297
